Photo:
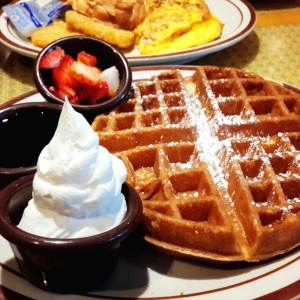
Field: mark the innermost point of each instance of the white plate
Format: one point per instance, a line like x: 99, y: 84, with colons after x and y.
x: 142, y: 273
x: 238, y: 17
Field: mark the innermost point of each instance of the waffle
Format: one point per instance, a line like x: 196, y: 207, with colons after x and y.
x: 215, y: 159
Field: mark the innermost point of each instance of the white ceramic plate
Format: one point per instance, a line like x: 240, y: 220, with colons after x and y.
x: 142, y: 273
x: 238, y: 17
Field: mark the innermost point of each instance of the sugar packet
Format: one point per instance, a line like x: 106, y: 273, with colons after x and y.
x: 28, y: 16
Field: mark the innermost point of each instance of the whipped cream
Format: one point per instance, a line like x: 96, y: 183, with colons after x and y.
x: 77, y: 186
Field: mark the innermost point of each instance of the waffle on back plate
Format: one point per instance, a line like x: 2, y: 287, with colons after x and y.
x: 215, y: 158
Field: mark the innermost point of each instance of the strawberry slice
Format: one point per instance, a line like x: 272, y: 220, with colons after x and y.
x: 93, y: 93
x: 62, y: 74
x: 66, y: 62
x: 52, y: 59
x: 64, y: 91
x: 84, y: 74
x: 81, y: 81
x: 87, y: 59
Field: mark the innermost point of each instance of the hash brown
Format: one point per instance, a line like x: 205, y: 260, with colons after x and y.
x: 43, y: 36
x: 117, y: 37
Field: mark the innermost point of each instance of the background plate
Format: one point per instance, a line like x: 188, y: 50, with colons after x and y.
x: 238, y: 17
x: 143, y: 273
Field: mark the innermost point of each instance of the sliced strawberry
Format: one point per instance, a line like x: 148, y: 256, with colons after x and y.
x: 64, y: 91
x: 81, y: 81
x: 112, y: 77
x: 93, y: 93
x: 59, y: 76
x: 52, y: 59
x: 87, y: 59
x: 62, y: 74
x: 84, y: 74
x: 66, y: 62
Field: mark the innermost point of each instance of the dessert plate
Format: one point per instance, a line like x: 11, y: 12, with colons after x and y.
x: 143, y: 273
x: 238, y: 17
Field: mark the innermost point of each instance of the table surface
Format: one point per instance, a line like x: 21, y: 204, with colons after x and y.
x: 271, y: 50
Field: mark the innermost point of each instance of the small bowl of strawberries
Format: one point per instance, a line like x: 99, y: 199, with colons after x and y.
x: 93, y: 75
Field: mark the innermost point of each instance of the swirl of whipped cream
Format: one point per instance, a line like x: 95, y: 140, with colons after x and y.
x: 77, y: 187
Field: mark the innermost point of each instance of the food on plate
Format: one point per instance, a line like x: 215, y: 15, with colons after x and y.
x: 81, y: 81
x: 43, y: 36
x: 76, y: 23
x: 215, y: 159
x: 110, y: 21
x: 77, y: 186
x: 176, y: 25
x: 156, y: 26
x: 122, y: 14
x: 151, y: 5
x: 86, y: 25
x: 193, y: 7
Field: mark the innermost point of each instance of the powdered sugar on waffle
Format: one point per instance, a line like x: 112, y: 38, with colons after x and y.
x: 208, y: 145
x: 211, y: 150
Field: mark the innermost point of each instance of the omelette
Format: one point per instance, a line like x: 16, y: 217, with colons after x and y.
x: 172, y: 25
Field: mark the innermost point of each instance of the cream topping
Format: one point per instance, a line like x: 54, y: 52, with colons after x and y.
x: 77, y: 187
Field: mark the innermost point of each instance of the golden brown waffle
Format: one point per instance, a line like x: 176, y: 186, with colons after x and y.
x: 216, y: 160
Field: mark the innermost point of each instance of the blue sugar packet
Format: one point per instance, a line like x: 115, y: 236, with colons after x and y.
x: 27, y: 17
x: 54, y: 9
